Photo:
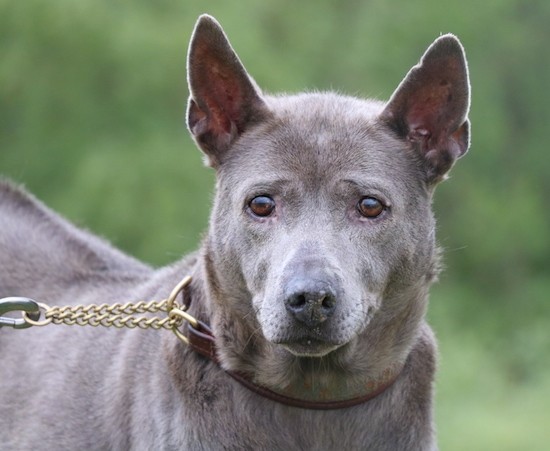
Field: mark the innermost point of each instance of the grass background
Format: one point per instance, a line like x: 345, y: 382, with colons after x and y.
x: 92, y: 102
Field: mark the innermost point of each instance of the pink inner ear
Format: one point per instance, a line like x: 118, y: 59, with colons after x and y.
x: 429, y: 109
x: 222, y: 95
x: 419, y: 134
x: 219, y: 121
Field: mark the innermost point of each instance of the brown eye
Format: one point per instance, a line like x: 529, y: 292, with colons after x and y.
x: 370, y: 207
x: 262, y: 206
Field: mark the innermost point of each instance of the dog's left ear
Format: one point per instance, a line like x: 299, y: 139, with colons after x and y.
x: 430, y: 107
x: 224, y: 100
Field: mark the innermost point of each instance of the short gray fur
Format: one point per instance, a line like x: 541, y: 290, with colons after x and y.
x: 316, y: 155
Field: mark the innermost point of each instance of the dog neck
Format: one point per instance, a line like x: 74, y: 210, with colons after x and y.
x: 313, y: 390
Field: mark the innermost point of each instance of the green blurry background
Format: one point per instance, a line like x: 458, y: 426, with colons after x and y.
x: 92, y: 101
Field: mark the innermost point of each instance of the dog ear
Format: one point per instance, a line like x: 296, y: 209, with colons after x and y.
x: 430, y: 107
x: 224, y: 100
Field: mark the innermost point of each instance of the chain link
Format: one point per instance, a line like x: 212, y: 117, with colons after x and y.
x: 116, y: 315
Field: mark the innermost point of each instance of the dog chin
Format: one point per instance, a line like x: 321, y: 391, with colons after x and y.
x: 310, y: 348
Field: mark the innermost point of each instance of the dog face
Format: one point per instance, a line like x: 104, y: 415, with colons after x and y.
x: 322, y: 218
x: 318, y: 210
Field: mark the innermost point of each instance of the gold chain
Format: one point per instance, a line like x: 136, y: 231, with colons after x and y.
x: 117, y: 315
x: 122, y: 315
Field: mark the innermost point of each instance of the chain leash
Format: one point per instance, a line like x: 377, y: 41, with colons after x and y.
x: 117, y: 315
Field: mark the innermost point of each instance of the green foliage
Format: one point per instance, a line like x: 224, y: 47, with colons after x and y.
x: 92, y: 105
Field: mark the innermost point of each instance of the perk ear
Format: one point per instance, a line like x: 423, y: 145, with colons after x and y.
x: 430, y: 107
x: 224, y: 100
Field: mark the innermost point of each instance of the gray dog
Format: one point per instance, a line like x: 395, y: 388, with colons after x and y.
x: 313, y: 279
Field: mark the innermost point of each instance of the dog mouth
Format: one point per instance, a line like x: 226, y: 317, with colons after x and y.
x: 309, y: 347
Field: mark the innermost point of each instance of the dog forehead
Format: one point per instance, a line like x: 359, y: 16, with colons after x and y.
x: 317, y: 136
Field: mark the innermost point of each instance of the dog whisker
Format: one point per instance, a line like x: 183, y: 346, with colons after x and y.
x: 251, y: 337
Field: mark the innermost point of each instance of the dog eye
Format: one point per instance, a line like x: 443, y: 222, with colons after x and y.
x: 370, y: 207
x: 262, y: 206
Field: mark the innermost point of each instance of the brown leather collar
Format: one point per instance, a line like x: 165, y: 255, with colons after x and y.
x: 202, y: 340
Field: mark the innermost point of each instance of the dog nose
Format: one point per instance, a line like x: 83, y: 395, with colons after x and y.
x: 311, y: 307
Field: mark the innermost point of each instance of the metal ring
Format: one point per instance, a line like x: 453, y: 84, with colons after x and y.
x: 177, y: 290
x: 32, y: 322
x: 186, y: 316
x: 180, y: 335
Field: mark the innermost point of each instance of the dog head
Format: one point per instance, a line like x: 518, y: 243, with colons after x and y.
x: 322, y: 233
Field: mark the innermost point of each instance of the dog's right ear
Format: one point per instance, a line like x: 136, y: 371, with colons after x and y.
x: 224, y: 101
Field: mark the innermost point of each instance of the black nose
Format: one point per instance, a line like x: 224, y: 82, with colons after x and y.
x: 311, y: 306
